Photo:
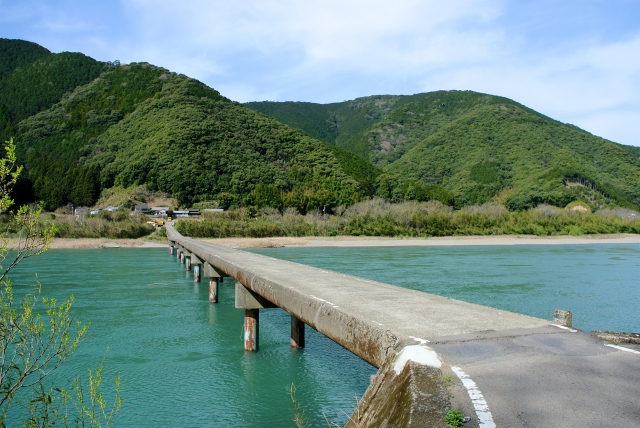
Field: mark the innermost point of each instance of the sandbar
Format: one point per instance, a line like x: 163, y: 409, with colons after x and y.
x: 355, y: 241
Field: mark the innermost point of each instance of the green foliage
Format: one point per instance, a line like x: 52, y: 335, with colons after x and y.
x: 38, y: 334
x: 359, y: 169
x: 26, y: 360
x: 50, y: 142
x: 112, y: 225
x: 91, y: 407
x: 32, y: 79
x: 40, y: 84
x: 313, y: 119
x: 396, y: 190
x: 201, y: 148
x: 454, y: 418
x: 9, y: 172
x: 340, y: 124
x: 416, y: 219
x: 494, y: 148
x: 478, y: 147
x: 18, y: 53
x: 141, y: 125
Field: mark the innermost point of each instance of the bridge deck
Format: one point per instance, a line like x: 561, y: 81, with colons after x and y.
x: 362, y: 315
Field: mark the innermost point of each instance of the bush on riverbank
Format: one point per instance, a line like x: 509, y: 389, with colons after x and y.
x: 113, y: 225
x: 377, y: 217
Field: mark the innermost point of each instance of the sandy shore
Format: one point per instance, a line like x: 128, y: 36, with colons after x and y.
x: 100, y: 243
x: 357, y: 241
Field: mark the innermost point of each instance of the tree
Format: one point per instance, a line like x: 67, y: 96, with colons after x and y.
x: 38, y: 334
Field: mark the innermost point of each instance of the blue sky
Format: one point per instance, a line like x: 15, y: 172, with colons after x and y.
x: 577, y: 61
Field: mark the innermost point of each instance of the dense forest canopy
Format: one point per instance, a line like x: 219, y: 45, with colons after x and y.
x: 475, y: 146
x: 83, y: 126
x: 32, y: 79
x: 138, y: 124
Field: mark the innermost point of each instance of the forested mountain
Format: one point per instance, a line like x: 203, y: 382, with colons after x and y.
x: 138, y: 124
x: 32, y: 79
x: 18, y: 53
x: 476, y: 146
x: 82, y: 126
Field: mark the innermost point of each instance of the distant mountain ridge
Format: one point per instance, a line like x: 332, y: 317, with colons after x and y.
x: 138, y: 124
x: 479, y: 147
x: 32, y: 79
x: 83, y: 126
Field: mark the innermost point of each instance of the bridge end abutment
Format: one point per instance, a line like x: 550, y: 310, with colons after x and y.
x: 403, y: 394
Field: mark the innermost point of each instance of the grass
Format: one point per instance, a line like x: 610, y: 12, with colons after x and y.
x: 454, y: 418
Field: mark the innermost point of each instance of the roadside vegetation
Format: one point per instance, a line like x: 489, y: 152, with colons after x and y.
x: 378, y: 217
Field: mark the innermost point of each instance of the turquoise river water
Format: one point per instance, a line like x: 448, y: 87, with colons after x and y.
x: 181, y: 358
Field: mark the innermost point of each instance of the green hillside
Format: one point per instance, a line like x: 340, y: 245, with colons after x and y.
x: 139, y: 124
x: 83, y: 126
x: 33, y: 79
x: 17, y: 53
x: 477, y: 147
x: 340, y: 124
x: 524, y: 159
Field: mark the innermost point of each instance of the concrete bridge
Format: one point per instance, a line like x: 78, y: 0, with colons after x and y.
x: 433, y: 353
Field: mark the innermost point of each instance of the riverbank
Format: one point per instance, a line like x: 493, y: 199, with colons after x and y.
x: 59, y: 243
x: 356, y: 241
x: 373, y: 241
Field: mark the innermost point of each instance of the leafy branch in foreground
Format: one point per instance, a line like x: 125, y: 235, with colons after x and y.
x: 96, y: 409
x: 38, y: 334
x: 32, y: 346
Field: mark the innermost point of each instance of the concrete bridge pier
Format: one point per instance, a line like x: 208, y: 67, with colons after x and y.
x: 251, y: 329
x: 215, y: 278
x: 297, y: 332
x: 171, y: 248
x: 197, y: 267
x: 251, y: 303
x: 187, y: 259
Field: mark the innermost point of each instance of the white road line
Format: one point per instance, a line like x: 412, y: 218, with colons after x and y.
x: 419, y: 340
x: 622, y: 348
x: 485, y: 419
x: 564, y: 328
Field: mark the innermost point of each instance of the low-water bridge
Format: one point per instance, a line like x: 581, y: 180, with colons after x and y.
x: 433, y: 353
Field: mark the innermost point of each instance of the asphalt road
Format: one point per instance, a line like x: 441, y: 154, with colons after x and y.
x: 545, y: 377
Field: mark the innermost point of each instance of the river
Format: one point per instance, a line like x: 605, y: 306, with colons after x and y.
x: 181, y: 358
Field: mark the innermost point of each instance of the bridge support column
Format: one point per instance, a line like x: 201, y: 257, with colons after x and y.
x: 213, y: 290
x: 297, y: 333
x: 215, y: 278
x: 187, y: 263
x: 251, y: 303
x: 251, y: 329
x: 197, y: 267
x: 171, y: 248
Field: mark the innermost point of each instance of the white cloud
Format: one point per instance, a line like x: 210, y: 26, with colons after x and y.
x: 374, y: 35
